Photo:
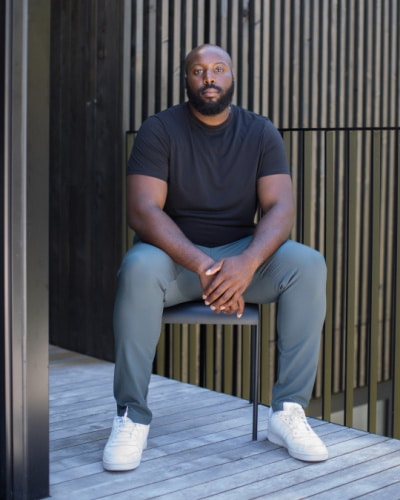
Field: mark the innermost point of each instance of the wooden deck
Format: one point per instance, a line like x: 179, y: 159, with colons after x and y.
x: 199, y: 446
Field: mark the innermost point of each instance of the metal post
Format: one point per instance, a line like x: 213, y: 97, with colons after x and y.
x: 24, y: 423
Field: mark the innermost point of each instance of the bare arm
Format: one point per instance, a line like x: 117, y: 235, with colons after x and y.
x: 275, y: 196
x: 233, y: 275
x: 145, y: 202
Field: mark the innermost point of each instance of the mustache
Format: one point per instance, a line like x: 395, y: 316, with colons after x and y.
x: 210, y: 86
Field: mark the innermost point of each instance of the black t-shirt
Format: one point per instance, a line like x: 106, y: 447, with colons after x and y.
x: 211, y: 172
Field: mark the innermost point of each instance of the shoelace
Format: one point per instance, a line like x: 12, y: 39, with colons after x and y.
x: 124, y: 429
x: 296, y: 421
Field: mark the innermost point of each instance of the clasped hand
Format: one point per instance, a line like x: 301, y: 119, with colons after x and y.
x: 224, y: 284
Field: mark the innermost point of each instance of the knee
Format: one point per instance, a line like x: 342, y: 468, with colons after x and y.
x: 315, y: 261
x: 307, y: 263
x: 313, y: 269
x: 143, y: 265
x: 134, y: 266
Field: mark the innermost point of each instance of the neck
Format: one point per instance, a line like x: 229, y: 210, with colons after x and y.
x: 212, y: 120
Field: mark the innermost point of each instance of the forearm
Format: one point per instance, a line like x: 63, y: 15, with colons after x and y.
x: 158, y: 229
x: 275, y: 196
x: 271, y: 232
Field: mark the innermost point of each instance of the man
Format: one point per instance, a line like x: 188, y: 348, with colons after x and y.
x: 196, y: 175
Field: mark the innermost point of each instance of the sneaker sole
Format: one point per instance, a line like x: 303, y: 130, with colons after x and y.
x: 299, y: 456
x: 113, y: 467
x: 120, y: 467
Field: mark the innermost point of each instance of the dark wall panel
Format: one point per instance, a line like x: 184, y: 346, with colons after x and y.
x: 85, y: 181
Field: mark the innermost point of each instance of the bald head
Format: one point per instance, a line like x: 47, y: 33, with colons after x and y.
x: 206, y: 50
x: 209, y: 82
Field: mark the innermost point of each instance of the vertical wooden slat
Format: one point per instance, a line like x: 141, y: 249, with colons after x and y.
x: 388, y: 248
x: 228, y: 360
x: 329, y: 257
x: 218, y: 357
x: 245, y: 362
x: 136, y: 58
x: 396, y: 326
x: 160, y: 359
x: 307, y: 195
x: 267, y: 353
x: 194, y: 344
x: 128, y: 236
x: 184, y: 353
x: 210, y: 356
x: 145, y: 61
x: 374, y: 294
x: 176, y: 352
x: 352, y: 200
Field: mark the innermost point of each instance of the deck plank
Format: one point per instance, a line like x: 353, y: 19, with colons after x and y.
x: 199, y: 446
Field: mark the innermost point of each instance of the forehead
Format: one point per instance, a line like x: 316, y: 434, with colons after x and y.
x: 207, y: 55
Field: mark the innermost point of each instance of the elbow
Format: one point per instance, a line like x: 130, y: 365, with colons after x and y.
x: 133, y: 221
x: 290, y: 220
x: 291, y: 216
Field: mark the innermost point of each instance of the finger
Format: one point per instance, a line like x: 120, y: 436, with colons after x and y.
x: 220, y: 299
x: 214, y: 289
x: 240, y: 309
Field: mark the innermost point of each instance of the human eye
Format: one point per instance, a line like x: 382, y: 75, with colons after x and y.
x: 197, y: 71
x: 219, y: 69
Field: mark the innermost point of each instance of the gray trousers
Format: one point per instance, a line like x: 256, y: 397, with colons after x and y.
x: 294, y: 277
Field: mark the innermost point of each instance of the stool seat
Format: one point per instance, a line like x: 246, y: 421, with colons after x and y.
x: 197, y: 313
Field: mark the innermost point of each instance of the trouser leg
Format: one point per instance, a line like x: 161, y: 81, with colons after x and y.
x: 148, y: 279
x: 295, y: 277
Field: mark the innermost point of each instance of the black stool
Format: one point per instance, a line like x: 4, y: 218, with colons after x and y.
x: 196, y: 313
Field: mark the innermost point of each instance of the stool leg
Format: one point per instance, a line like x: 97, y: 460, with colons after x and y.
x: 254, y: 389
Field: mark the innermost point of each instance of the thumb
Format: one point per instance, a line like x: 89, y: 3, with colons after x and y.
x: 215, y: 268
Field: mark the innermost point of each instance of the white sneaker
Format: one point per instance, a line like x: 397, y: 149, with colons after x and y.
x: 289, y: 428
x: 125, y: 445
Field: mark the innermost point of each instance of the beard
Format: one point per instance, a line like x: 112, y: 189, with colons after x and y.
x: 211, y: 107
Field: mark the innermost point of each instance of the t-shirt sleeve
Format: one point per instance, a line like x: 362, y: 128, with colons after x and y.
x: 273, y: 158
x: 150, y: 152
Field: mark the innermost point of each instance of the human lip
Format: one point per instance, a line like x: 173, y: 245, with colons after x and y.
x: 210, y: 92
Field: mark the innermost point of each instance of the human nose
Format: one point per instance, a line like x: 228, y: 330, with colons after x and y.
x: 208, y: 76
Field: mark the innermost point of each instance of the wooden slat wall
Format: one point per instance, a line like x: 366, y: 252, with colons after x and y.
x: 327, y: 73
x: 347, y: 183
x: 304, y: 63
